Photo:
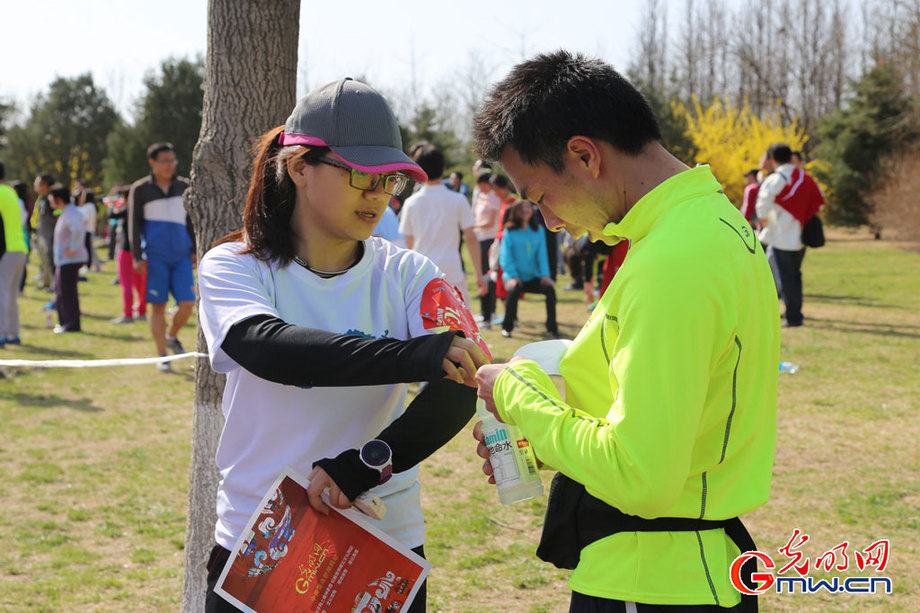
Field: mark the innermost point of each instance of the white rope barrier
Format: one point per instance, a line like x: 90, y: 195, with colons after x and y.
x: 98, y: 363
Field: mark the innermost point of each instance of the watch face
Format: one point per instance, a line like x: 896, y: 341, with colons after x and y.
x: 376, y: 453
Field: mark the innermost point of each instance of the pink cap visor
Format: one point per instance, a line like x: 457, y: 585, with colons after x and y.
x: 363, y: 158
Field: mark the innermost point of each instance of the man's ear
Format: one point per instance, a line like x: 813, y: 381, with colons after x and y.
x: 297, y: 170
x: 585, y: 154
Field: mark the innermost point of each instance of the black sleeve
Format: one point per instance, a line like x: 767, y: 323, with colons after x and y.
x: 280, y: 352
x: 2, y: 238
x: 431, y: 420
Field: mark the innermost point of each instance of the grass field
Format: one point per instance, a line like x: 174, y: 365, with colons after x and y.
x: 94, y: 462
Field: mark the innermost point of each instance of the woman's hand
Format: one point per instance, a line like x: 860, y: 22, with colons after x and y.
x: 463, y: 359
x: 319, y: 482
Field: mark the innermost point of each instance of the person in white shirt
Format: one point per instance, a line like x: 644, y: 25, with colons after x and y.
x: 87, y: 202
x: 388, y: 227
x: 486, y: 210
x: 319, y: 327
x: 782, y: 231
x: 430, y: 219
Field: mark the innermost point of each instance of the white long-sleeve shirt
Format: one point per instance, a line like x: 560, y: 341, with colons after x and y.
x: 781, y: 230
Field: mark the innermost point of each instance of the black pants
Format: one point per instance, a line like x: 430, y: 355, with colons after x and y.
x: 581, y: 603
x: 88, y: 241
x: 789, y: 264
x: 66, y: 297
x: 487, y: 302
x: 218, y: 559
x: 536, y: 287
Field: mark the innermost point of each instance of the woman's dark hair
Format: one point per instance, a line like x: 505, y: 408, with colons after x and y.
x: 514, y: 216
x: 90, y: 196
x: 270, y: 200
x: 22, y: 190
x: 545, y: 101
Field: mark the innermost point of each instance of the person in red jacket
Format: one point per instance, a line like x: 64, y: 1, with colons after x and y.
x: 749, y: 200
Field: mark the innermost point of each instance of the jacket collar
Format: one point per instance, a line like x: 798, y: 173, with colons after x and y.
x: 639, y: 220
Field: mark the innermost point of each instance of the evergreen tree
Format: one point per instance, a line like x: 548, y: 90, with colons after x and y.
x: 7, y: 109
x: 65, y: 133
x: 675, y: 129
x: 169, y: 110
x: 876, y: 122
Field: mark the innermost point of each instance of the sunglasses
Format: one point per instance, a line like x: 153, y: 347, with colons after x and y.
x: 368, y: 182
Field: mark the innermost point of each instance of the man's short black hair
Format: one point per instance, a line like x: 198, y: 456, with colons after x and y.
x: 430, y: 158
x: 545, y: 101
x: 500, y: 181
x: 483, y: 177
x: 751, y: 173
x: 60, y: 192
x: 780, y: 153
x: 458, y: 173
x: 156, y: 148
x: 46, y: 179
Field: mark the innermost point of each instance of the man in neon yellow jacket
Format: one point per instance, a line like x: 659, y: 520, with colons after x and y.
x: 670, y: 405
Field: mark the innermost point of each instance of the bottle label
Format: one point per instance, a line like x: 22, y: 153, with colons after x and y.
x: 511, y: 457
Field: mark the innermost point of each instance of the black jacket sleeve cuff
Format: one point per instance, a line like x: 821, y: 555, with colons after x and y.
x: 349, y: 473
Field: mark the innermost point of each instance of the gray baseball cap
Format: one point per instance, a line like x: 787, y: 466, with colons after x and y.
x: 356, y: 122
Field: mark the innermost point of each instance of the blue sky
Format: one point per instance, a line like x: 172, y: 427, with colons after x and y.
x: 118, y: 41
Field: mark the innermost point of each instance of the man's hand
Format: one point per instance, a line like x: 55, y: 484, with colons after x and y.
x: 511, y: 283
x: 140, y: 267
x: 483, y: 452
x: 319, y: 482
x: 547, y: 281
x: 463, y: 359
x: 485, y: 378
x: 194, y: 258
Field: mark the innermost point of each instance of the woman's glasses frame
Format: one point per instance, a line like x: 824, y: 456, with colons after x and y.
x: 393, y: 183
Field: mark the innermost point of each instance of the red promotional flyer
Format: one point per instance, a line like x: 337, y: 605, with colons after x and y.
x: 443, y: 309
x: 292, y: 558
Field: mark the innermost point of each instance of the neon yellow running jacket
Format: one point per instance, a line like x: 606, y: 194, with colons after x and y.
x: 670, y: 406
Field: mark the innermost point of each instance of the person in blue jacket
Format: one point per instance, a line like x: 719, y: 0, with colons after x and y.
x: 525, y: 265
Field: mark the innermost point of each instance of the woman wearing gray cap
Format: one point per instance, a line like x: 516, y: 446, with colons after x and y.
x: 319, y: 326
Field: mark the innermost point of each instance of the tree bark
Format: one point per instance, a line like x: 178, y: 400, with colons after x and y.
x: 250, y: 87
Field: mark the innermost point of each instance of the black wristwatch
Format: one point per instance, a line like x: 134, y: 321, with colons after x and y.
x: 377, y: 455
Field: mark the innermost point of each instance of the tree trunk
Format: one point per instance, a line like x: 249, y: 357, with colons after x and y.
x: 250, y: 86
